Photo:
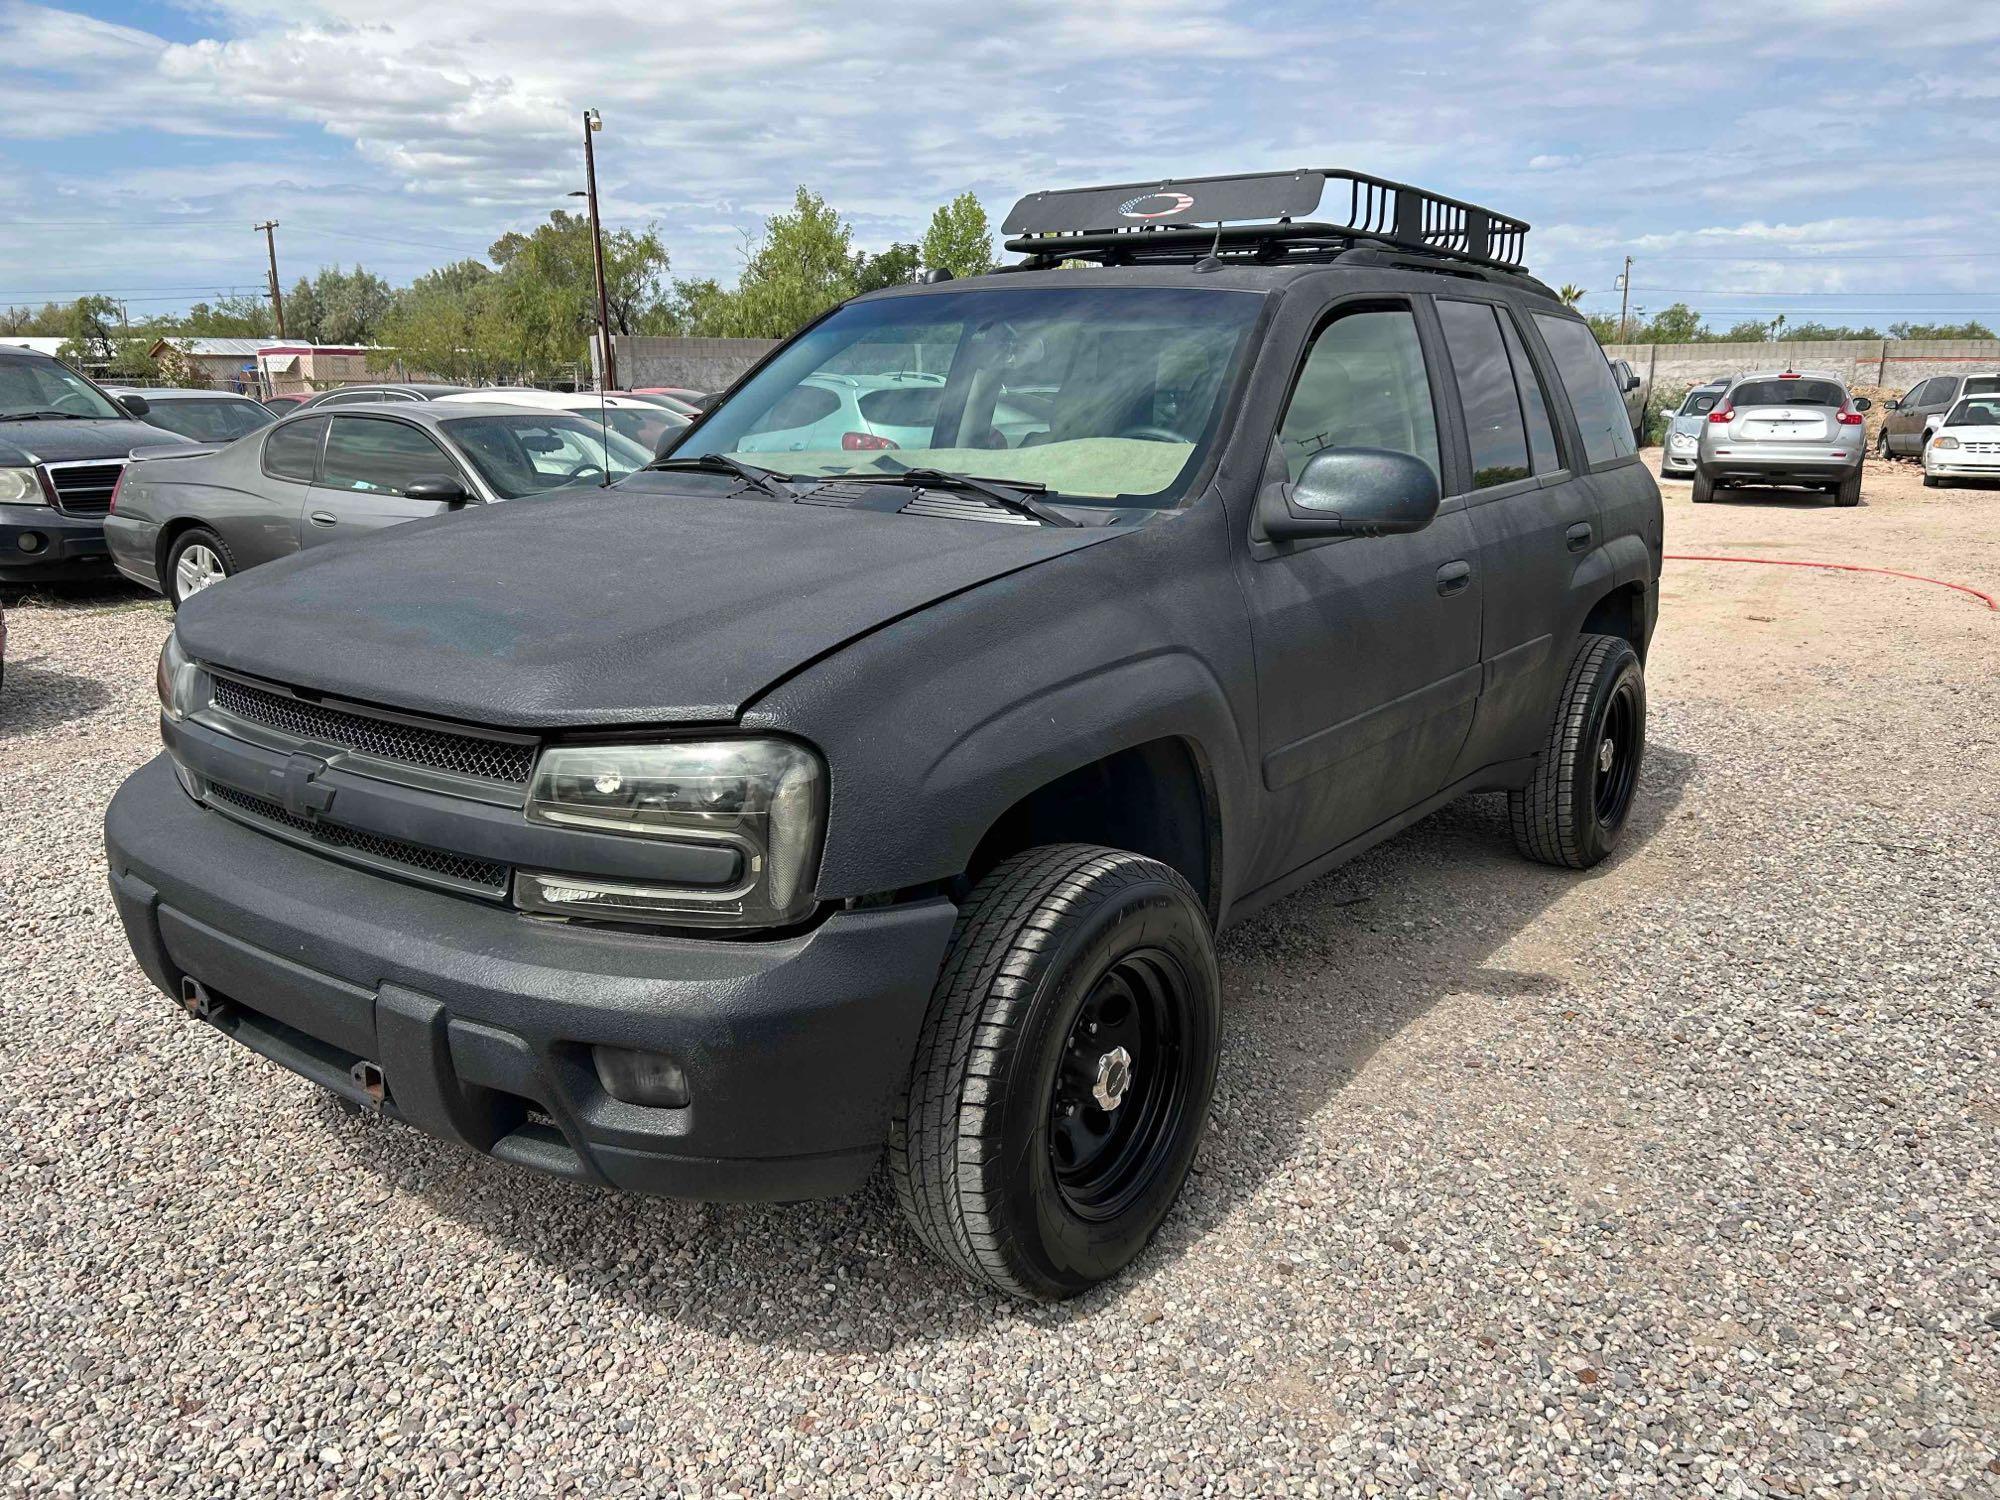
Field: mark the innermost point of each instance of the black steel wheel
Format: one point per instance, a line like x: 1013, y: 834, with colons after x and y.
x: 1063, y: 1074
x: 1579, y: 797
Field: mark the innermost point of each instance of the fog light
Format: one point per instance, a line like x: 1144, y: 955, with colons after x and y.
x: 32, y: 541
x: 649, y: 1078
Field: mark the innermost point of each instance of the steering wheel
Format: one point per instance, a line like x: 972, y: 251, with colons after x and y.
x: 1157, y: 435
x: 89, y: 406
x: 583, y: 470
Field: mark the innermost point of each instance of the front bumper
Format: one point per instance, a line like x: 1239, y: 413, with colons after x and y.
x: 40, y: 544
x: 1672, y: 462
x: 1961, y: 465
x: 481, y: 1019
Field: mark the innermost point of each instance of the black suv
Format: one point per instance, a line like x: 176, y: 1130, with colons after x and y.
x: 64, y: 442
x: 876, y: 768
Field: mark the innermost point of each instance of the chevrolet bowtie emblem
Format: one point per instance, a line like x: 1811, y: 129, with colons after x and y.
x: 299, y: 788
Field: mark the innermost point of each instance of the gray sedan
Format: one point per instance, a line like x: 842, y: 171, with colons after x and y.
x: 184, y: 523
x: 1683, y: 437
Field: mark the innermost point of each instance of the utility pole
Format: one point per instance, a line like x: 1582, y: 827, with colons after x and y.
x: 277, y: 301
x: 608, y: 372
x: 1624, y: 298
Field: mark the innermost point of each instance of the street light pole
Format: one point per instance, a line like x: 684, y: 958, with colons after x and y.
x: 608, y: 374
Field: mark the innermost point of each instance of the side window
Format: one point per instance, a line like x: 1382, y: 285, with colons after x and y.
x: 1935, y: 390
x: 1544, y: 457
x: 1914, y: 396
x: 377, y: 457
x: 1363, y: 385
x: 292, y: 449
x: 1593, y: 395
x: 1492, y: 406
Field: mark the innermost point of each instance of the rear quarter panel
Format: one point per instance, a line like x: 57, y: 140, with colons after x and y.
x: 227, y: 491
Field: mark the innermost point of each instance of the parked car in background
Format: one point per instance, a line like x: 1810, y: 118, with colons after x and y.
x: 1915, y: 415
x: 784, y: 807
x: 1965, y: 443
x: 699, y: 400
x: 1783, y: 428
x: 201, y: 416
x: 1631, y: 392
x: 1683, y: 434
x: 880, y: 413
x: 183, y: 523
x: 633, y: 417
x: 672, y: 403
x: 289, y: 401
x: 64, y: 442
x: 356, y: 395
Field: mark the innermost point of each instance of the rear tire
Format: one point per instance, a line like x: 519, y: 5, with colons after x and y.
x: 1577, y: 802
x: 1007, y: 1161
x: 197, y: 560
x: 1704, y: 487
x: 1848, y: 491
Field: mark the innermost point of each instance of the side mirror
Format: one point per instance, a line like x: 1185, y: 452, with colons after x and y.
x: 135, y: 406
x: 1862, y: 403
x: 1892, y: 405
x: 445, y: 490
x: 1631, y: 380
x: 1351, y: 492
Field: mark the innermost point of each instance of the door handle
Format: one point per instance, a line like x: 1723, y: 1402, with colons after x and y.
x: 1454, y: 577
x: 323, y: 518
x: 1577, y: 537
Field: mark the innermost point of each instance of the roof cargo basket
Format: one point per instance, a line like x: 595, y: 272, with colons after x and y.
x: 1265, y: 213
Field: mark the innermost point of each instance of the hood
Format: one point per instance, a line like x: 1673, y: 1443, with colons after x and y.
x: 620, y: 606
x: 47, y: 442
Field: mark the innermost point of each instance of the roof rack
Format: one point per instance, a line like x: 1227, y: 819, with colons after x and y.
x: 1265, y: 213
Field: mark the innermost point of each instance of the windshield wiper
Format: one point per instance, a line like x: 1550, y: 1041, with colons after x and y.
x: 768, y: 480
x: 45, y: 416
x: 1018, y: 497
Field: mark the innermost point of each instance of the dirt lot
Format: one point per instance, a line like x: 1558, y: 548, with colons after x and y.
x: 1678, y: 1175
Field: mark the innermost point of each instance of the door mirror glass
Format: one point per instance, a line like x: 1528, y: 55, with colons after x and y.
x: 1862, y: 403
x: 444, y: 489
x: 1352, y: 492
x: 1892, y: 405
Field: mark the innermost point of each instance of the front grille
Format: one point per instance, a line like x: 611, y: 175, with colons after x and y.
x: 85, y: 489
x: 388, y: 739
x: 1982, y: 447
x: 458, y: 869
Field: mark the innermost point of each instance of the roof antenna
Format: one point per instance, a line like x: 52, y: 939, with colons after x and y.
x: 1213, y: 260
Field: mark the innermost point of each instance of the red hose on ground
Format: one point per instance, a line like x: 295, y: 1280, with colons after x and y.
x: 1790, y: 562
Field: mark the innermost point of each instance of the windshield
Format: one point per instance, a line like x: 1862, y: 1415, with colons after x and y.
x: 1105, y: 395
x: 529, y: 453
x: 1787, y: 393
x: 30, y: 387
x: 1984, y: 413
x: 219, y: 420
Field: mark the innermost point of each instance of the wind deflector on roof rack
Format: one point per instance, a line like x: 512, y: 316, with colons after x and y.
x: 1266, y: 207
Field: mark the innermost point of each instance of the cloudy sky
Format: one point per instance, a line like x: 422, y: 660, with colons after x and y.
x: 1831, y: 159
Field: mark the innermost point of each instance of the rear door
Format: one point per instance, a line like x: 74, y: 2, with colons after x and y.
x: 1367, y: 648
x: 1535, y: 514
x: 368, y: 465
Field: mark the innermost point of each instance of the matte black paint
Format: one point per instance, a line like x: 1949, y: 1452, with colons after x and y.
x: 1327, y: 692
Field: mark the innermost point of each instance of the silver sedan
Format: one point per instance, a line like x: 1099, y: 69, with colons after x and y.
x: 1677, y: 449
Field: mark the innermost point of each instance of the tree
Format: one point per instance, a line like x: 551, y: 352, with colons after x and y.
x: 444, y: 323
x: 90, y: 332
x: 896, y: 266
x: 1678, y: 324
x: 1571, y: 294
x: 545, y: 293
x: 337, y: 307
x: 958, y: 239
x: 1970, y: 329
x: 245, y: 317
x: 802, y: 265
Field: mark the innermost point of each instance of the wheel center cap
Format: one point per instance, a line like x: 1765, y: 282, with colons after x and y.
x: 1114, y: 1076
x: 1606, y: 753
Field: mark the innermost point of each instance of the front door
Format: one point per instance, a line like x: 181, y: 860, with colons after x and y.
x: 1906, y: 423
x: 369, y: 464
x: 1367, y: 648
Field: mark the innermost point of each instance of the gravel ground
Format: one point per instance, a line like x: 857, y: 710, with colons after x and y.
x: 1678, y: 1176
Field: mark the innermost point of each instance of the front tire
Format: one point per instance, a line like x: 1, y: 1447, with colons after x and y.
x: 197, y: 560
x: 1576, y: 804
x: 1704, y: 487
x: 1063, y: 1074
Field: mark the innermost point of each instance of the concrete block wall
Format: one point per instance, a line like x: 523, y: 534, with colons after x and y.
x: 1886, y: 364
x: 700, y: 364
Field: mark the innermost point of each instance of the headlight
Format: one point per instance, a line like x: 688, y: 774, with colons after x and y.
x: 764, y: 798
x: 21, y: 487
x: 1944, y: 442
x: 1682, y: 440
x: 178, y: 680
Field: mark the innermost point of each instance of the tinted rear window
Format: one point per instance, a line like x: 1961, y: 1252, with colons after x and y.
x: 217, y: 421
x: 1787, y: 393
x: 903, y: 408
x: 1594, y: 396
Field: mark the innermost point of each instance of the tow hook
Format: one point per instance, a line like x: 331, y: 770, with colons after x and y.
x: 368, y: 1078
x: 198, y: 1002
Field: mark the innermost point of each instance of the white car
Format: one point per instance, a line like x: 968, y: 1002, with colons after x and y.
x: 862, y: 413
x: 644, y: 422
x: 1966, y: 444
